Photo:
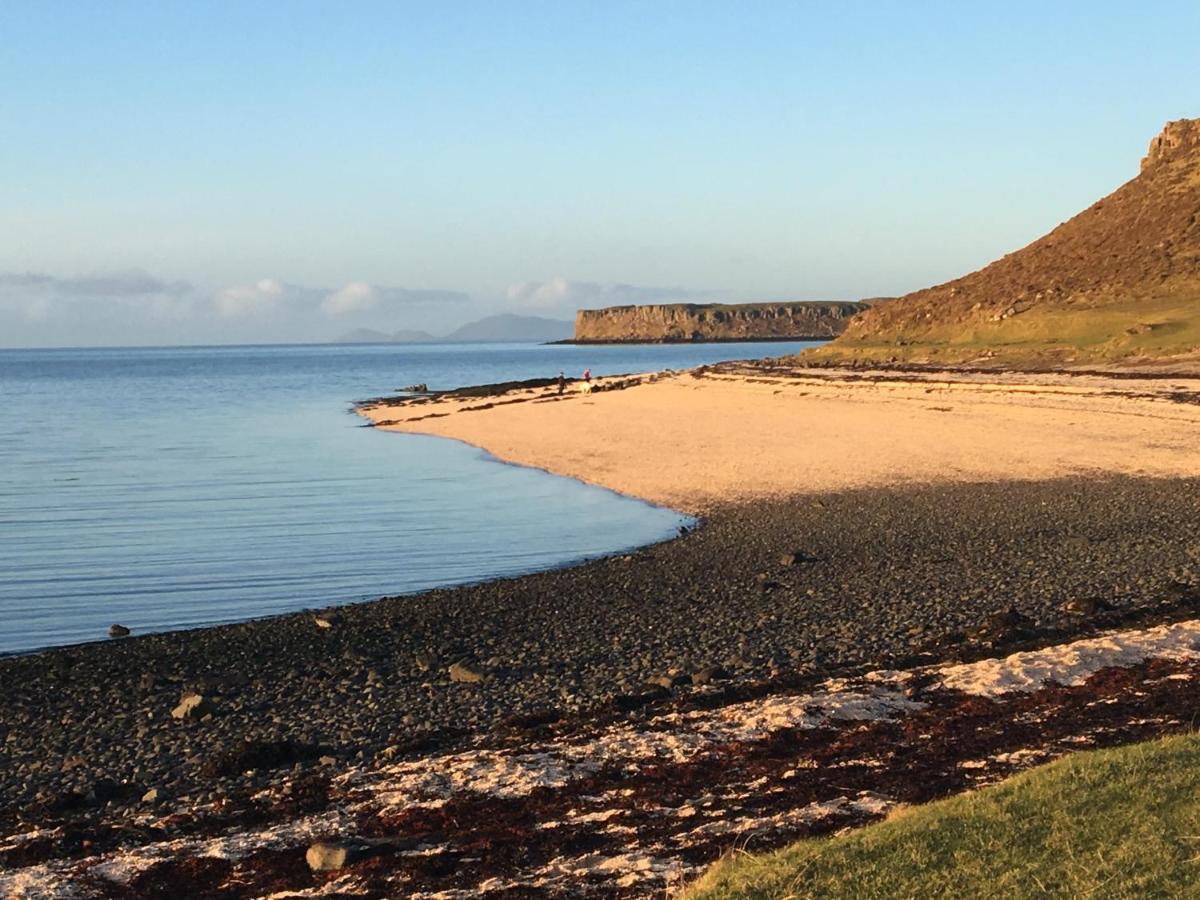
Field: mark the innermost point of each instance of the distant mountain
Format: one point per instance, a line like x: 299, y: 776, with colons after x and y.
x: 371, y: 336
x: 503, y: 327
x: 510, y: 327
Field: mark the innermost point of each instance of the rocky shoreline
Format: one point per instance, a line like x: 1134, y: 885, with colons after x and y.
x: 768, y: 592
x: 629, y: 807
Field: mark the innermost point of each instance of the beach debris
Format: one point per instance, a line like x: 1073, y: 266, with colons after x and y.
x: 464, y: 672
x: 117, y: 631
x: 578, y: 802
x: 151, y: 796
x: 192, y: 706
x: 325, y: 620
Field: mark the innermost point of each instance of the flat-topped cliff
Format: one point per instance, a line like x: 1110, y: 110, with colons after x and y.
x: 683, y: 322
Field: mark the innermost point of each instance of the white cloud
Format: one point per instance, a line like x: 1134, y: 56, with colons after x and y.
x: 248, y: 299
x: 354, y: 297
x: 124, y: 283
x: 560, y: 294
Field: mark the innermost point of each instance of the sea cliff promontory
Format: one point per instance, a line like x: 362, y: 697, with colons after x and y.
x: 1119, y: 283
x: 684, y: 322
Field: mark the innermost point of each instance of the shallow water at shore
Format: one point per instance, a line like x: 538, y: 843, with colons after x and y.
x: 178, y: 487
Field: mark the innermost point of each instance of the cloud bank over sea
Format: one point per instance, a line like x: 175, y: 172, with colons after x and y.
x: 136, y: 307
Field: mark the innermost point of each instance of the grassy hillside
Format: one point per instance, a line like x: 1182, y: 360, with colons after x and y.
x: 1118, y: 283
x: 1111, y: 823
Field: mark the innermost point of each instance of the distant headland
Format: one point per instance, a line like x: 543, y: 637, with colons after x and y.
x: 670, y: 323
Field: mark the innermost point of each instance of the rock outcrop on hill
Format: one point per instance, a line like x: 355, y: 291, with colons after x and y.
x: 684, y: 322
x: 1118, y: 283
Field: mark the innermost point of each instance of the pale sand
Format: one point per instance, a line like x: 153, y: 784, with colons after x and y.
x: 691, y: 441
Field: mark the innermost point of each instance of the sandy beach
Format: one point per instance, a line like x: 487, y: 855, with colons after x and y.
x: 733, y: 432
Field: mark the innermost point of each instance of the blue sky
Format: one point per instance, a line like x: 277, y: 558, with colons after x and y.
x: 178, y: 171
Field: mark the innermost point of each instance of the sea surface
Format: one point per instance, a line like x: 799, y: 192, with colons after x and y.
x: 166, y: 488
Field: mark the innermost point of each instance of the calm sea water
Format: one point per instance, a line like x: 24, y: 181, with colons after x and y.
x: 178, y: 487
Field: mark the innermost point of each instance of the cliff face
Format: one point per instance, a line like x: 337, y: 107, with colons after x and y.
x: 1119, y: 282
x: 683, y: 322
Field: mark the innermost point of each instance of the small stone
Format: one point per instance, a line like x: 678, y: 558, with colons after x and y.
x: 666, y: 681
x: 328, y: 857
x: 151, y: 796
x: 465, y: 673
x: 788, y: 559
x: 328, y: 760
x: 708, y: 675
x: 117, y: 631
x: 324, y: 621
x: 192, y: 706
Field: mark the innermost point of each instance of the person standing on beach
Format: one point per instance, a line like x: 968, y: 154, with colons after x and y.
x: 562, y: 382
x: 587, y: 376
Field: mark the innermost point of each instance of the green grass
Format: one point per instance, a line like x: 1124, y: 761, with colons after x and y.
x: 1104, y: 824
x: 1159, y: 326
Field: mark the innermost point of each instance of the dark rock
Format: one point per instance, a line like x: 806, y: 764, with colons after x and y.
x: 117, y: 631
x: 535, y: 719
x: 709, y: 674
x: 1085, y: 606
x: 260, y: 755
x: 1182, y: 592
x: 630, y: 702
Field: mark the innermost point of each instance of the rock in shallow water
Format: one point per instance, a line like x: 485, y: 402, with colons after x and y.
x: 117, y: 631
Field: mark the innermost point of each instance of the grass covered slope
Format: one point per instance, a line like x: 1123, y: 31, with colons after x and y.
x: 1111, y: 823
x: 1120, y: 282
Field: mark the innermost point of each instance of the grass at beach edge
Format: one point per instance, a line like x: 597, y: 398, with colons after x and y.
x: 1122, y: 822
